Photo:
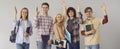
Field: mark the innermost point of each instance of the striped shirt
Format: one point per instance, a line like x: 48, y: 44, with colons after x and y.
x: 43, y: 25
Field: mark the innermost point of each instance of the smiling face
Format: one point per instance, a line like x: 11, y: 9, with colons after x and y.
x: 71, y: 13
x: 45, y: 8
x: 88, y: 12
x: 59, y: 18
x: 24, y: 13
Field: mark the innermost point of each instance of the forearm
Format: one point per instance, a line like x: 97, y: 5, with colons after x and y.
x: 81, y: 17
x: 84, y: 33
x: 15, y: 22
x: 64, y: 14
x: 35, y: 22
x: 31, y: 31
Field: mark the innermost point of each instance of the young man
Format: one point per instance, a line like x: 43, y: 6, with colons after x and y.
x: 43, y: 24
x: 91, y: 28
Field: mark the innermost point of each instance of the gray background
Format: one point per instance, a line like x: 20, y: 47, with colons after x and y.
x: 109, y: 32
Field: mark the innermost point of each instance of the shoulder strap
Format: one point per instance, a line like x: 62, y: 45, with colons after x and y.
x: 18, y: 25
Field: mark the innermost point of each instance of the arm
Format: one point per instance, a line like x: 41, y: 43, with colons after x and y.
x: 80, y: 15
x: 105, y: 19
x: 36, y: 21
x: 65, y: 14
x: 15, y: 16
x: 51, y: 33
x: 37, y: 12
x: 15, y: 13
x: 85, y: 33
x: 31, y: 29
x: 51, y: 30
x: 56, y: 33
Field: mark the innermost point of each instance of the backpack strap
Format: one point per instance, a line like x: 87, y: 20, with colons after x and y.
x: 18, y: 24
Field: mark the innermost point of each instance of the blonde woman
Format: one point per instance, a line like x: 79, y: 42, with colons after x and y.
x: 59, y: 28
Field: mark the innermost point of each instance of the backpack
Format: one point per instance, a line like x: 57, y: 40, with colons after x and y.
x: 12, y: 38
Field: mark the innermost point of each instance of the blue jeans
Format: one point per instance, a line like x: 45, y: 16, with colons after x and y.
x: 41, y: 45
x: 92, y: 46
x: 74, y: 45
x: 22, y: 46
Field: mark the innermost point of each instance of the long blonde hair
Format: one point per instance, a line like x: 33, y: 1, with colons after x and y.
x: 55, y: 19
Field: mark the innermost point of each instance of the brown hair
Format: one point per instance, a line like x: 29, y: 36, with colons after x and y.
x: 27, y: 12
x: 87, y: 9
x: 45, y: 3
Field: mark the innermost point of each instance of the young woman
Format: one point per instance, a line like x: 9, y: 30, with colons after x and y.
x: 24, y: 29
x: 59, y: 28
x: 73, y: 25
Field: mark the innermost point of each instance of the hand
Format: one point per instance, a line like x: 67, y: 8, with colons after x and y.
x: 15, y: 12
x: 49, y: 42
x: 93, y: 31
x: 79, y: 13
x: 64, y: 12
x: 83, y: 32
x: 104, y: 8
x: 63, y: 4
x: 78, y: 9
x: 26, y: 34
x: 60, y: 45
x: 37, y: 12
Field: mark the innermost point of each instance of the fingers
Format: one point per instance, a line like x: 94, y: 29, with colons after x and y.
x: 15, y: 12
x: 36, y: 8
x: 78, y: 9
x: 103, y: 6
x: 63, y: 4
x: 37, y: 12
x: 15, y: 9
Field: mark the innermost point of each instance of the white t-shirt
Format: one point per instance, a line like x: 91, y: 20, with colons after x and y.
x: 24, y: 27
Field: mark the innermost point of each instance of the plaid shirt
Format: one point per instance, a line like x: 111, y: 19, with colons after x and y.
x: 43, y: 26
x: 73, y: 27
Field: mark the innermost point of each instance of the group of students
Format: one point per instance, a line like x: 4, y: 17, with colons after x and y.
x: 47, y: 28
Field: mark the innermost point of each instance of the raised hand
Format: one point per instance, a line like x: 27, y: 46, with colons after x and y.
x: 37, y: 12
x: 63, y: 4
x: 103, y: 7
x: 64, y: 12
x: 15, y: 12
x: 78, y: 9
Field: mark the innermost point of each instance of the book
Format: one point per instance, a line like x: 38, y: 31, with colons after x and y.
x: 63, y: 42
x: 28, y: 29
x: 68, y: 36
x: 88, y: 27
